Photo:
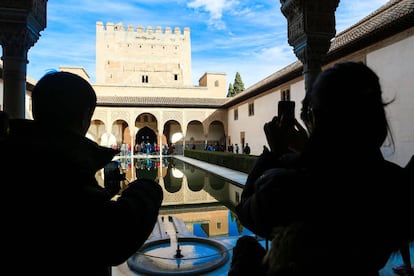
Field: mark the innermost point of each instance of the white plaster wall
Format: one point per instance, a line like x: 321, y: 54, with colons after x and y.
x: 234, y: 126
x: 297, y: 93
x: 394, y: 65
x: 265, y: 108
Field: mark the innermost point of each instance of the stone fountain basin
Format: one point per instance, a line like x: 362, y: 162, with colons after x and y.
x: 196, y: 256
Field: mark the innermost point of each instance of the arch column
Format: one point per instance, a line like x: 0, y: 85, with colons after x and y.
x: 160, y: 127
x: 108, y: 126
x: 184, y: 130
x: 205, y: 129
x: 20, y: 25
x: 133, y: 132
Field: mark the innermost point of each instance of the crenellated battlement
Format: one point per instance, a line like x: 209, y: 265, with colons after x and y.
x: 143, y: 56
x: 149, y: 30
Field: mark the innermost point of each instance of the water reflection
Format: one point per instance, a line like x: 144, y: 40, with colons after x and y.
x: 204, y: 201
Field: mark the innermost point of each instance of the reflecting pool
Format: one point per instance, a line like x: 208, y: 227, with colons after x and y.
x: 196, y: 221
x: 197, y: 204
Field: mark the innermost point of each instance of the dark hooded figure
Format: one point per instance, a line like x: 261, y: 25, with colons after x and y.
x: 56, y: 219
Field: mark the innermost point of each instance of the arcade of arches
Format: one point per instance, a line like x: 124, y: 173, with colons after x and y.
x: 156, y: 128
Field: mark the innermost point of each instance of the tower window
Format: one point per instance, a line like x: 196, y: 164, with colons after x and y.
x: 175, y: 77
x: 144, y: 78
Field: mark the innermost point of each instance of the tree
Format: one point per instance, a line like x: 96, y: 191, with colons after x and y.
x: 230, y: 92
x: 237, y: 87
x: 238, y: 84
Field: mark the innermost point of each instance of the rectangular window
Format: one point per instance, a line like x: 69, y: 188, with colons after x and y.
x: 218, y: 225
x: 236, y: 114
x: 251, y: 109
x: 175, y: 77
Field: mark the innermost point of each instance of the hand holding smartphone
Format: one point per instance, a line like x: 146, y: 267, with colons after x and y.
x: 286, y: 112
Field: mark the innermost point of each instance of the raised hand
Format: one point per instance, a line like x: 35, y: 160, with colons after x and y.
x: 285, y: 135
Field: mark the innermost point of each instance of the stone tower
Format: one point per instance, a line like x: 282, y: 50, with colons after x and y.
x: 142, y: 57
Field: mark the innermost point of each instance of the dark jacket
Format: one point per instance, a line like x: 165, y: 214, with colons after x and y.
x: 331, y: 214
x: 56, y: 218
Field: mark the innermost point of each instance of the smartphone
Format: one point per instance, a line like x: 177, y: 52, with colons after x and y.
x: 113, y: 177
x: 286, y: 109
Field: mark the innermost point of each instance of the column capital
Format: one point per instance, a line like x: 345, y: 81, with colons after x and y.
x: 21, y: 22
x: 311, y: 26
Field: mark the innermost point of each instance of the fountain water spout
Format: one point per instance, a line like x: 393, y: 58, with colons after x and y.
x: 178, y: 252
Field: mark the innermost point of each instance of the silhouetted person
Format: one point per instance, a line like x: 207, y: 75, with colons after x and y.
x: 328, y: 204
x: 56, y: 219
x: 247, y: 258
x: 246, y: 149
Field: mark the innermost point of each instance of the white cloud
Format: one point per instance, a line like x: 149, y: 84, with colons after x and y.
x: 215, y: 9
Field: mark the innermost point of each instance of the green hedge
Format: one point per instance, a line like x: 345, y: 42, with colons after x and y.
x: 239, y: 162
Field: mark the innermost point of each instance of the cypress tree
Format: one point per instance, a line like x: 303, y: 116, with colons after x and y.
x: 238, y: 84
x: 230, y: 92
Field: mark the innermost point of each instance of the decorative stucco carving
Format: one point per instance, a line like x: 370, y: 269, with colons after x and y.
x: 20, y: 25
x: 311, y: 26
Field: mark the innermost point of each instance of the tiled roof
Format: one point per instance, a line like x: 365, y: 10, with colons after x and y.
x: 391, y: 18
x: 161, y: 102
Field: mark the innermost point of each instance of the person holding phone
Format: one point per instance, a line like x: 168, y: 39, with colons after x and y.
x: 314, y: 196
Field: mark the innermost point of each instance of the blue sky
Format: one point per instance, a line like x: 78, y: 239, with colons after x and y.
x: 227, y: 36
